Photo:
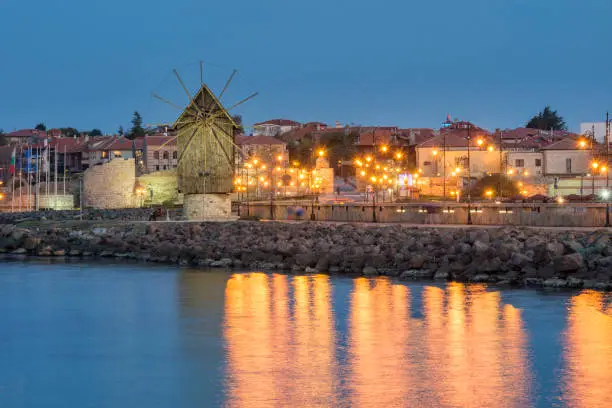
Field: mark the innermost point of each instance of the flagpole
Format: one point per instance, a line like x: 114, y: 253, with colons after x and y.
x: 20, y: 173
x: 13, y: 164
x: 64, y: 178
x: 38, y: 178
x: 55, y: 187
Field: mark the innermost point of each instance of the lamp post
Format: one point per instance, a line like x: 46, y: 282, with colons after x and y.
x: 501, y: 165
x: 469, y: 140
x: 607, y: 169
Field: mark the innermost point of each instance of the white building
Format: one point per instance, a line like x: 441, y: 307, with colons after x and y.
x: 566, y: 158
x: 275, y: 127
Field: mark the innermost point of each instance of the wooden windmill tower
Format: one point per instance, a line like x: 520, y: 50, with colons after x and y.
x: 206, y: 150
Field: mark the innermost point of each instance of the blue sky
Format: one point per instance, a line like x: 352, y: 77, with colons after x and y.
x: 407, y: 63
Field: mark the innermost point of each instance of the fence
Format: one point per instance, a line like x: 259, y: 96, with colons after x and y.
x: 529, y: 214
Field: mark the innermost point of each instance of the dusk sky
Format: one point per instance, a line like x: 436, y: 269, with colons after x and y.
x: 407, y: 63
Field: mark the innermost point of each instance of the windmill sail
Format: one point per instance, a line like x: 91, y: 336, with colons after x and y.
x: 205, y: 134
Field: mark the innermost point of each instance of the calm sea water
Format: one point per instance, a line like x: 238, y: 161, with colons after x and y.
x: 90, y: 335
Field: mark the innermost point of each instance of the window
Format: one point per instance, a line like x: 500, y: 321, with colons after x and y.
x: 568, y: 166
x: 165, y: 167
x: 175, y: 155
x: 166, y: 155
x: 519, y: 163
x: 104, y: 155
x: 157, y: 167
x: 156, y: 155
x: 538, y: 162
x: 117, y: 153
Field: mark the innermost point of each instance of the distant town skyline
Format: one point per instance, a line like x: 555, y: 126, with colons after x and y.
x: 407, y: 64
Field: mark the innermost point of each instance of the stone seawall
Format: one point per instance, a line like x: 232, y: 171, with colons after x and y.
x: 504, y: 256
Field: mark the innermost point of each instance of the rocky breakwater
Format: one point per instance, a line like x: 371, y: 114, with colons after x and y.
x: 504, y: 256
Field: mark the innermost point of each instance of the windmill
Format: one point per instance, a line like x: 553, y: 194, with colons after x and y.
x: 205, y: 140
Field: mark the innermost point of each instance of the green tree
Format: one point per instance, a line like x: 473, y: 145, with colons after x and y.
x: 546, y: 120
x: 238, y: 120
x: 69, y: 132
x: 137, y: 130
x: 95, y: 132
x: 41, y: 126
x: 3, y: 140
x: 121, y: 132
x: 509, y: 188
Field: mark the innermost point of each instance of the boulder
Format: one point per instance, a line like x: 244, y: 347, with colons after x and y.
x: 568, y: 263
x: 555, y: 283
x: 369, y: 271
x: 417, y: 261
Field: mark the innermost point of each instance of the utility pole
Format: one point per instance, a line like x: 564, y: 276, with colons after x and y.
x: 502, y: 173
x: 444, y: 167
x: 469, y: 140
x: 607, y: 169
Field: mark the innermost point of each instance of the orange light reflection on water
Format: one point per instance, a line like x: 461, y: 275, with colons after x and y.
x: 280, y: 353
x: 588, y: 352
x: 468, y: 349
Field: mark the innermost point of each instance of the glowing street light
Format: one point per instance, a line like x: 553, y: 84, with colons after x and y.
x: 369, y: 159
x: 321, y: 152
x: 490, y: 148
x: 479, y: 142
x: 398, y: 155
x: 582, y: 143
x: 435, y: 152
x: 384, y: 149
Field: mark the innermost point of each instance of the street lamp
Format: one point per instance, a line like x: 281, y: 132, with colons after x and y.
x: 469, y: 140
x: 594, y: 165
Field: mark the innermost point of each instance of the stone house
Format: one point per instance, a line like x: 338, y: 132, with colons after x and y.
x: 160, y: 153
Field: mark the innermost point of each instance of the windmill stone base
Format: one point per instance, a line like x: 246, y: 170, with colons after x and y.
x: 208, y: 207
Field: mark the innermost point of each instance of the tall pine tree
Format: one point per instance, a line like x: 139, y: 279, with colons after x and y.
x: 137, y: 130
x: 546, y: 120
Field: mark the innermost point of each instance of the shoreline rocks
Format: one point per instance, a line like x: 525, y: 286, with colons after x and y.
x: 508, y: 256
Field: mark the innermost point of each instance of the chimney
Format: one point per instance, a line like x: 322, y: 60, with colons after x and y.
x: 338, y: 125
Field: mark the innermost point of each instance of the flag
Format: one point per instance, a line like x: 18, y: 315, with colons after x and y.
x: 12, y: 166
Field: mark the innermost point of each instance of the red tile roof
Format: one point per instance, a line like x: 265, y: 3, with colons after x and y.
x: 567, y: 143
x: 26, y: 133
x: 257, y: 140
x: 158, y: 140
x: 279, y: 122
x: 458, y: 138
